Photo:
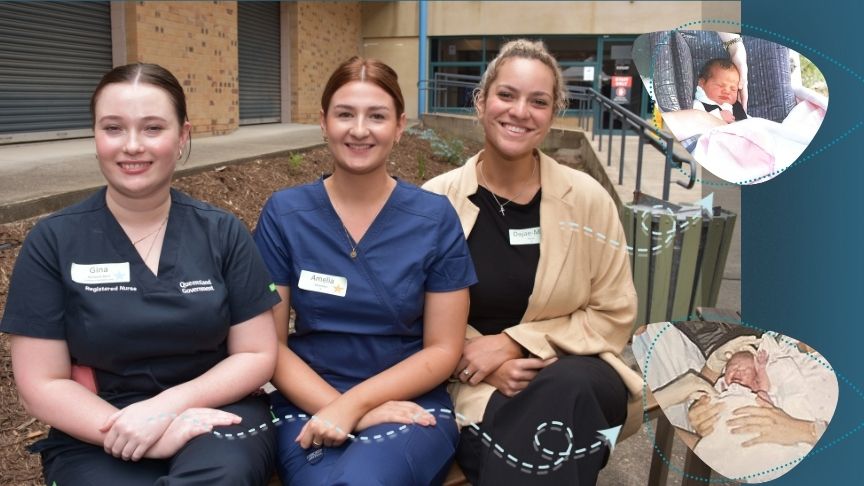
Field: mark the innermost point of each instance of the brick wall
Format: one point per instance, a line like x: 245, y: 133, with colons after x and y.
x: 197, y: 42
x: 323, y: 34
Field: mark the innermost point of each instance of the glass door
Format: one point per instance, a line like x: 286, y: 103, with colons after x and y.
x: 618, y: 78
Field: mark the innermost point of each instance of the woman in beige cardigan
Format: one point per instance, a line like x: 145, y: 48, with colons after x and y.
x: 555, y: 303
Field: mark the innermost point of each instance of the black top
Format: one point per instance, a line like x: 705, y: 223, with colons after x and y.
x: 505, y: 250
x: 79, y: 278
x: 737, y: 110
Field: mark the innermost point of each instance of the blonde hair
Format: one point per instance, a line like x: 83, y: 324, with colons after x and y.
x: 525, y: 49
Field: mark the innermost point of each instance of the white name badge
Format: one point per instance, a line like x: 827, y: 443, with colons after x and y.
x: 323, y: 283
x: 100, y: 273
x: 527, y: 236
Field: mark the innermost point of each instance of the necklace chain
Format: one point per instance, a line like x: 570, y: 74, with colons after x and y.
x: 521, y: 191
x: 148, y: 235
x: 155, y: 235
x: 351, y: 243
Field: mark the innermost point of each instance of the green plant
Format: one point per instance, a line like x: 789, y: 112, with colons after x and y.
x: 295, y: 159
x: 448, y: 149
x: 421, y: 167
x: 812, y: 77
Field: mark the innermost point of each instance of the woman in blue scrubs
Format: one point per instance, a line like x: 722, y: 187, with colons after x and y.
x: 377, y: 272
x: 141, y: 318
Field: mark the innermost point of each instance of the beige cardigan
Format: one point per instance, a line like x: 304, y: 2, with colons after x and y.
x: 584, y: 301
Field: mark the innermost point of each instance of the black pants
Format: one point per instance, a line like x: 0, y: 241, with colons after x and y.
x: 204, y: 460
x: 583, y: 393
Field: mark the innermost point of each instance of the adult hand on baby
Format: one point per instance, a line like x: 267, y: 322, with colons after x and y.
x: 703, y: 415
x: 485, y: 354
x: 687, y: 386
x: 394, y: 411
x: 770, y: 424
x: 188, y: 425
x: 516, y: 374
x: 717, y: 360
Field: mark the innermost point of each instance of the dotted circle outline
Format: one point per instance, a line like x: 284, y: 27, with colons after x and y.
x: 789, y: 464
x: 787, y: 40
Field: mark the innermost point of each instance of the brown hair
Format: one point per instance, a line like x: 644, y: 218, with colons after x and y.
x: 719, y: 62
x: 364, y: 70
x: 526, y: 49
x: 152, y: 74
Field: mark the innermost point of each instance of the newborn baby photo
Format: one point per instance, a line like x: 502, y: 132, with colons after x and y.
x: 750, y: 404
x: 746, y: 108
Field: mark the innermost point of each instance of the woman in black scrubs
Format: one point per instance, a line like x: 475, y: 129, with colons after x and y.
x: 141, y: 318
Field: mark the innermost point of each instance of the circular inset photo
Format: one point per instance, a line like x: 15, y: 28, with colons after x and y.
x: 750, y: 404
x: 744, y: 107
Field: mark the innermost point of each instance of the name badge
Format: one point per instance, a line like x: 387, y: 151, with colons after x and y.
x: 527, y: 236
x: 323, y: 283
x: 100, y: 273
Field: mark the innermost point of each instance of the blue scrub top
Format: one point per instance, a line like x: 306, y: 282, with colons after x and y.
x: 415, y: 245
x: 140, y: 332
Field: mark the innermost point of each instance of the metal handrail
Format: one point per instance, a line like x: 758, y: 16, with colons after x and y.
x: 660, y: 139
x: 590, y: 108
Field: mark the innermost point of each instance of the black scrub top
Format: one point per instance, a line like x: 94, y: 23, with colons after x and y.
x: 79, y: 278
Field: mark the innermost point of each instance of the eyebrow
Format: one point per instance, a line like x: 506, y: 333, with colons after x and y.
x: 534, y: 93
x: 371, y: 108
x: 118, y: 117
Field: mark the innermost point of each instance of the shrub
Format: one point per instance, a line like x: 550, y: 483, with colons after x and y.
x: 449, y: 149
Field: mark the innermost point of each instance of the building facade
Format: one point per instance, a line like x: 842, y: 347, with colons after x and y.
x: 247, y: 62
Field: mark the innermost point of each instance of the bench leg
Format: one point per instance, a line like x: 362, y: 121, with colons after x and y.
x: 664, y: 435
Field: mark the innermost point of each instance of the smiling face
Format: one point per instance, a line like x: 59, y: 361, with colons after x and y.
x: 362, y: 125
x: 517, y: 110
x: 722, y: 85
x: 138, y: 138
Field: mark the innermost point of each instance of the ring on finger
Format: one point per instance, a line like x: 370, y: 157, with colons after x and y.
x: 316, y: 444
x: 466, y: 372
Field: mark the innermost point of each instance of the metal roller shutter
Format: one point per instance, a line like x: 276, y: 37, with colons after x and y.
x: 53, y: 55
x: 258, y: 42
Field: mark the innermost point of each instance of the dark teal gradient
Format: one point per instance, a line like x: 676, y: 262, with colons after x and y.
x: 802, y: 257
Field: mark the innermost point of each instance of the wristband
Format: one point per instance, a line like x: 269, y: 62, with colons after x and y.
x: 729, y: 42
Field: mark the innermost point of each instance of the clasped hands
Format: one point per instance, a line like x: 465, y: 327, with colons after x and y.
x: 142, y: 430
x: 330, y: 426
x: 498, y: 360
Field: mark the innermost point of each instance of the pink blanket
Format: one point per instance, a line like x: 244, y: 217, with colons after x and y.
x: 755, y: 150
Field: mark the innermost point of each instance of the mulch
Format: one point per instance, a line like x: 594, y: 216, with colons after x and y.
x: 241, y: 189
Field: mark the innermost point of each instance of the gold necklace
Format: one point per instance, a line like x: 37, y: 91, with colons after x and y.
x: 156, y: 237
x: 492, y: 191
x: 353, y: 246
x: 148, y: 235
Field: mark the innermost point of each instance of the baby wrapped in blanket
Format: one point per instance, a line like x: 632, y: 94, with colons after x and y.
x: 786, y: 378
